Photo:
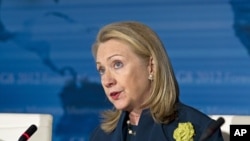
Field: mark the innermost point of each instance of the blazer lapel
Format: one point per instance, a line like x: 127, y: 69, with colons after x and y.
x: 148, y: 130
x: 119, y: 132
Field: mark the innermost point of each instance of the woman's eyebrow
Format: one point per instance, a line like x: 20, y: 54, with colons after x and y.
x: 97, y: 62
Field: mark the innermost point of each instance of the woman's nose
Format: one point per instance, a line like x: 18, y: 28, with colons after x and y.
x: 108, y: 80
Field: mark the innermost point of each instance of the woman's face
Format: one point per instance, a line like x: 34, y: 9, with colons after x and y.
x: 124, y: 76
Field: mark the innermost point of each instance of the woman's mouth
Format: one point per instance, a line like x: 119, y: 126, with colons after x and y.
x: 115, y: 95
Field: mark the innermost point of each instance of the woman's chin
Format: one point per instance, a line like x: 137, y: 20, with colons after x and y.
x: 120, y: 106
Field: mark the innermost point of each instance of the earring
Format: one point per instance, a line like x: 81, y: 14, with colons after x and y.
x: 150, y: 77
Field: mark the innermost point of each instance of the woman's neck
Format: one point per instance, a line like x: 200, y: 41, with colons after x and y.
x: 134, y: 117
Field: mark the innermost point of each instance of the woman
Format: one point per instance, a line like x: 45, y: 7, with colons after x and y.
x: 139, y: 81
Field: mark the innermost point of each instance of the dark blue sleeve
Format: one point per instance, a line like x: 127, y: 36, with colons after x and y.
x: 99, y: 135
x: 217, y: 136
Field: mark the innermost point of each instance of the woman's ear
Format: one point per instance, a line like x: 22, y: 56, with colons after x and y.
x: 151, y: 65
x: 151, y: 69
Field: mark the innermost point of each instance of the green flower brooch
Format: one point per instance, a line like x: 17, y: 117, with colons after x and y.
x: 184, y: 132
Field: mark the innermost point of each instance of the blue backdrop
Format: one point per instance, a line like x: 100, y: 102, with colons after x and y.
x: 46, y: 64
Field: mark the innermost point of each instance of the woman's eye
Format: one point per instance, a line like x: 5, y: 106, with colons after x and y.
x: 118, y: 64
x: 101, y: 71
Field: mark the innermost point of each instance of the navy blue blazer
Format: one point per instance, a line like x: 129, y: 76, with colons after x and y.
x: 149, y: 130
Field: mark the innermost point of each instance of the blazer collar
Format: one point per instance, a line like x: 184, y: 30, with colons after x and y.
x: 147, y: 129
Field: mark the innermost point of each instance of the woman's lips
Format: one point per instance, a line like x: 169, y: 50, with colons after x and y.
x: 115, y: 95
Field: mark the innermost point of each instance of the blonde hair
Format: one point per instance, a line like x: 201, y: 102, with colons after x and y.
x: 145, y: 43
